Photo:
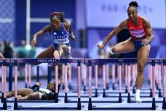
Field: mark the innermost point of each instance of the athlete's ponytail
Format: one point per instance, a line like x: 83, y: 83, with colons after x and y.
x: 60, y: 15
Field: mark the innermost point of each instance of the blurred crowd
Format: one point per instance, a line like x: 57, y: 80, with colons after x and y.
x: 8, y: 50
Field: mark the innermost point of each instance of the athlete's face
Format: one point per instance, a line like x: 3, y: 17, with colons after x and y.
x: 50, y: 86
x: 132, y: 13
x: 55, y: 21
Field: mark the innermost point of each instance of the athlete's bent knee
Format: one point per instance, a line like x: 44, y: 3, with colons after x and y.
x: 140, y: 68
x: 66, y: 51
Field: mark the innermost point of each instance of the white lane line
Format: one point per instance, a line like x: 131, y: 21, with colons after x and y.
x: 126, y: 102
x: 63, y: 102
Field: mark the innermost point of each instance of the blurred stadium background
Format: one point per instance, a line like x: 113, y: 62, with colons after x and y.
x: 91, y: 21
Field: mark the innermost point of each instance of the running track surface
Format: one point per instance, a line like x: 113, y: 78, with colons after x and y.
x: 85, y: 105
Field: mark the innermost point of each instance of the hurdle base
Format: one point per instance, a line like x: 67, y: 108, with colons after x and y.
x: 47, y: 108
x: 147, y: 101
x: 128, y: 98
x: 96, y: 93
x: 90, y: 104
x: 84, y: 88
x: 149, y: 92
x: 164, y: 104
x: 5, y: 106
x: 70, y: 87
x: 108, y: 92
x: 113, y: 86
x: 93, y: 91
x: 120, y: 98
x: 33, y: 101
x: 104, y: 94
x: 122, y: 108
x: 115, y: 96
x: 159, y: 94
x: 70, y: 101
x: 66, y: 98
x: 122, y: 92
x: 75, y: 96
x: 79, y: 104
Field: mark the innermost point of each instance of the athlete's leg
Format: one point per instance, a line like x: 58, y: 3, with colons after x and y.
x: 124, y: 47
x: 1, y: 56
x: 22, y: 92
x: 58, y: 52
x: 62, y: 51
x: 143, y: 54
x: 32, y: 96
x: 48, y: 53
x: 66, y: 50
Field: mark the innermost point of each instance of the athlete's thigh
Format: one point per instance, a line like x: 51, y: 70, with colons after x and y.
x: 47, y: 53
x: 24, y: 91
x: 124, y: 47
x: 35, y: 96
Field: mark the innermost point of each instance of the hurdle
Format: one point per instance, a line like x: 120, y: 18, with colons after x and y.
x: 90, y: 82
x: 128, y: 73
x: 3, y: 99
x: 105, y: 93
x: 95, y: 61
x: 164, y: 83
x: 152, y: 70
x: 28, y: 84
x: 78, y: 61
x: 89, y: 62
x: 83, y: 73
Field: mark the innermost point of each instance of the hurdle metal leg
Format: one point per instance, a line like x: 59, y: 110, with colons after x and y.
x: 49, y: 73
x: 26, y: 75
x: 164, y: 84
x: 10, y: 76
x: 3, y: 99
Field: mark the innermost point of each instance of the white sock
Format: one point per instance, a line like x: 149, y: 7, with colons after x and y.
x: 137, y: 95
x: 138, y: 92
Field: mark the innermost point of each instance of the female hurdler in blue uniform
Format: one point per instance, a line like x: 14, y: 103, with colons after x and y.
x: 60, y: 29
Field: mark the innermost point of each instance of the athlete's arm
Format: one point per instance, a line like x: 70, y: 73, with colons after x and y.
x: 115, y: 31
x: 38, y: 84
x: 149, y: 32
x: 41, y: 32
x: 70, y: 29
x: 72, y: 36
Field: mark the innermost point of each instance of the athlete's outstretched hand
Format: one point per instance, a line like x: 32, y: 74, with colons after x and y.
x: 101, y: 46
x: 33, y: 42
x: 73, y: 37
x: 38, y: 84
